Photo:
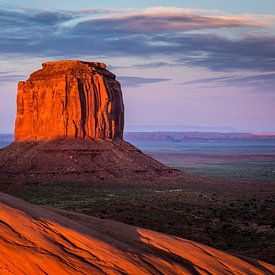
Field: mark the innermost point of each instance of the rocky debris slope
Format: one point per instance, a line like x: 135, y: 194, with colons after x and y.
x: 74, y: 160
x: 69, y: 126
x: 38, y: 240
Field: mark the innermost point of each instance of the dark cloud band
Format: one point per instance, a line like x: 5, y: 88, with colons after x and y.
x: 156, y: 35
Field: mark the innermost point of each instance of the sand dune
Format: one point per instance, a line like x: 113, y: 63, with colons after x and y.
x: 39, y: 240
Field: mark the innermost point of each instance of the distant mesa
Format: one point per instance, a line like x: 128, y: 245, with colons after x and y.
x: 69, y: 127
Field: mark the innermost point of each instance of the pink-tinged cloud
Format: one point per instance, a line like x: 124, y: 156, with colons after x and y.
x: 265, y: 134
x: 160, y: 19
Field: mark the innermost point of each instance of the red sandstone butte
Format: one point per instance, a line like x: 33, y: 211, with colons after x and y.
x: 69, y: 98
x: 69, y: 127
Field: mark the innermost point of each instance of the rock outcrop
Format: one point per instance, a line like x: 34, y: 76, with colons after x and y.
x: 69, y: 99
x: 69, y: 127
x: 38, y: 240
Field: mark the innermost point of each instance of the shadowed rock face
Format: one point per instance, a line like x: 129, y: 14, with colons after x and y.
x: 73, y: 99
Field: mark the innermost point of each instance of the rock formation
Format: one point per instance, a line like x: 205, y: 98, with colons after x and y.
x: 69, y: 126
x: 39, y: 240
x: 69, y: 99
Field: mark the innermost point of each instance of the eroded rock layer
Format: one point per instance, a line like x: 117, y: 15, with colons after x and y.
x: 69, y: 99
x: 37, y: 240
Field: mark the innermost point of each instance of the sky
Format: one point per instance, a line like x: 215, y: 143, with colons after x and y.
x: 206, y: 63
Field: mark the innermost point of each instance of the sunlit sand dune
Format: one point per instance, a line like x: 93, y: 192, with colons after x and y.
x: 40, y: 240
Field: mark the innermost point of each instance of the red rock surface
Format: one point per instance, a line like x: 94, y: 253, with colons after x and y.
x: 39, y: 240
x: 69, y: 98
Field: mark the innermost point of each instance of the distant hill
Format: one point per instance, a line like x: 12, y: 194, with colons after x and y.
x: 181, y: 136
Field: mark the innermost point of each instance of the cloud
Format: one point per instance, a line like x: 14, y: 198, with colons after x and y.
x: 221, y: 54
x: 130, y: 81
x: 10, y: 76
x: 151, y: 65
x: 260, y: 83
x: 31, y: 19
x: 211, y: 51
x: 165, y: 35
x: 50, y: 18
x: 161, y: 20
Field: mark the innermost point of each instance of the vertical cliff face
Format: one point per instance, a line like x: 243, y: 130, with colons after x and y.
x: 69, y: 99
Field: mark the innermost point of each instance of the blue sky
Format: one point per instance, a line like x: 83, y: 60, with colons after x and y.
x: 234, y: 6
x: 200, y: 62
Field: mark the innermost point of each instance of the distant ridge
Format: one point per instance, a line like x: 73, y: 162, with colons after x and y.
x: 191, y: 128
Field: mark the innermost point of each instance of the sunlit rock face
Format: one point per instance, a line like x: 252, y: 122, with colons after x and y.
x: 69, y: 98
x: 41, y: 240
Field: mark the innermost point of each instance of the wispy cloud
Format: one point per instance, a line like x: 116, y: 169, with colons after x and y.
x: 31, y: 19
x: 222, y: 54
x: 162, y: 20
x: 130, y: 81
x: 260, y: 83
x: 10, y: 76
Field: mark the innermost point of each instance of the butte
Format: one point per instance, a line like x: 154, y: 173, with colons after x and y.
x: 69, y: 127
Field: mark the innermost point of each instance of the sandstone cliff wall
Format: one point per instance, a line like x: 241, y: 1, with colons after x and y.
x: 69, y: 99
